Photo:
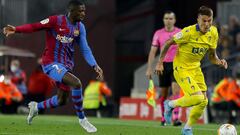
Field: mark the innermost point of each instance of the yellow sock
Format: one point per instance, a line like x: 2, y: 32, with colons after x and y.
x: 196, y: 112
x: 187, y: 101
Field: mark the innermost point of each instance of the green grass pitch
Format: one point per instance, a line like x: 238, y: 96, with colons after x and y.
x: 68, y: 125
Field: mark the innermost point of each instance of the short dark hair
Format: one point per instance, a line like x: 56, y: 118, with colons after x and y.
x: 74, y: 3
x: 204, y: 10
x: 168, y: 12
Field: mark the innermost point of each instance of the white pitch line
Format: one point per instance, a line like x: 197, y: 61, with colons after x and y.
x: 118, y: 123
x: 24, y: 134
x: 155, y: 126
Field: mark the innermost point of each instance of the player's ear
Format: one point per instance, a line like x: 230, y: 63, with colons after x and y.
x: 198, y: 18
x: 175, y: 20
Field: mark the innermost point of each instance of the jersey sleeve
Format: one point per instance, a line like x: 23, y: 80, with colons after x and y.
x: 155, y: 40
x: 105, y: 89
x: 215, y: 38
x: 182, y: 36
x: 47, y: 23
x: 84, y: 48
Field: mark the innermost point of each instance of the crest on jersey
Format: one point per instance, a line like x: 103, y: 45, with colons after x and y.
x: 76, y: 32
x: 179, y: 35
x: 45, y: 21
x: 209, y: 38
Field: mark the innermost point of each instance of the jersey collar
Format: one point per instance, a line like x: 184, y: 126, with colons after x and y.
x: 69, y: 22
x: 197, y: 27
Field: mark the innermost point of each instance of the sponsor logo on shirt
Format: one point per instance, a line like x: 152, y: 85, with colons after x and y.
x: 197, y: 50
x: 64, y: 39
x: 45, y: 21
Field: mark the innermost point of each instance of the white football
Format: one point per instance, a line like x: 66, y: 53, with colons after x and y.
x: 227, y: 129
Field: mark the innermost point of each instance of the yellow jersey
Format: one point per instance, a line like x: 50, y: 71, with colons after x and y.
x: 193, y: 45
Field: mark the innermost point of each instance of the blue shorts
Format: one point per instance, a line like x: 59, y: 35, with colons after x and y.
x: 55, y: 70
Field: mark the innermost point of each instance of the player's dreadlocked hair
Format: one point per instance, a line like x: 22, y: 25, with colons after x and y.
x: 74, y: 3
x: 203, y: 10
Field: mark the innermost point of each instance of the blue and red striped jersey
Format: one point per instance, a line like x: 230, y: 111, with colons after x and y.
x: 61, y: 36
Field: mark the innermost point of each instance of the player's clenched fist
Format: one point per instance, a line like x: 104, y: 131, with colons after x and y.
x: 223, y: 63
x: 9, y: 30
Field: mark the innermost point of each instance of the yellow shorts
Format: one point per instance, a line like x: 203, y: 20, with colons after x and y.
x: 190, y: 80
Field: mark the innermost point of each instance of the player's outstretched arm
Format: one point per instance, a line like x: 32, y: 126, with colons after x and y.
x: 28, y: 28
x: 9, y: 30
x: 159, y: 67
x: 212, y: 54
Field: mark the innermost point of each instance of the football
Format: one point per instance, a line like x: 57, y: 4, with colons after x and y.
x: 227, y: 129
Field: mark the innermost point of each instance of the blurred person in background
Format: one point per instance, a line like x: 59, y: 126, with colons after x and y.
x: 236, y: 66
x: 234, y: 26
x: 193, y: 43
x: 2, y: 69
x: 237, y: 45
x: 10, y: 96
x: 226, y: 96
x: 39, y: 85
x: 18, y: 77
x: 96, y: 98
x: 62, y: 33
x: 225, y: 47
x: 166, y: 80
x: 224, y: 30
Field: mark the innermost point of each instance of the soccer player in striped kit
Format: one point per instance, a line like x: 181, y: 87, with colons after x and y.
x: 62, y: 33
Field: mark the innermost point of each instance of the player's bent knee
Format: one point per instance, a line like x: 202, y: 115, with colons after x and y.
x: 77, y: 84
x: 203, y: 104
x: 198, y: 110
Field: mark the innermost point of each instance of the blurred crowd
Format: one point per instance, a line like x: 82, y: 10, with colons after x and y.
x: 229, y: 37
x: 225, y: 96
x: 16, y: 90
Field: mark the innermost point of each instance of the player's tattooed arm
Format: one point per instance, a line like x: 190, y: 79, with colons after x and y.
x: 212, y: 54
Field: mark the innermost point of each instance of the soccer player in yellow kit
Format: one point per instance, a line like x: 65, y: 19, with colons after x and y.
x: 193, y: 43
